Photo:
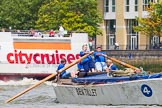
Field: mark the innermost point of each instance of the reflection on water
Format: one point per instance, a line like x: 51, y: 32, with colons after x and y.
x: 42, y: 96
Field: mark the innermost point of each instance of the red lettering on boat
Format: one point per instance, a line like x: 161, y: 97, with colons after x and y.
x: 17, y: 57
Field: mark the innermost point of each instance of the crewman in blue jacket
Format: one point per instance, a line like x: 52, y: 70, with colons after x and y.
x: 63, y: 74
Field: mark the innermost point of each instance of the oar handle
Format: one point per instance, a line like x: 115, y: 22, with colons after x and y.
x: 47, y: 78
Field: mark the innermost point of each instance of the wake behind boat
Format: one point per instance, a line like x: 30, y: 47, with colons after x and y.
x: 104, y: 90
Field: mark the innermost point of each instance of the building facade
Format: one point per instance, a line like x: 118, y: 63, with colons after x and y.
x: 119, y: 17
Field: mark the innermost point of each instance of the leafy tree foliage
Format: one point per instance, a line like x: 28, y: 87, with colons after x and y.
x: 19, y: 14
x: 152, y: 25
x: 73, y: 15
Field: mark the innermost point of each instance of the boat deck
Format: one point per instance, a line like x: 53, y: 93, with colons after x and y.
x: 104, y: 79
x: 81, y: 75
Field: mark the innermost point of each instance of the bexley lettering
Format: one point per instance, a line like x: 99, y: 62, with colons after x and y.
x: 86, y: 92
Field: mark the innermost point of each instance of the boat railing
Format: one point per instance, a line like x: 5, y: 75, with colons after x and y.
x: 25, y: 33
x: 40, y: 33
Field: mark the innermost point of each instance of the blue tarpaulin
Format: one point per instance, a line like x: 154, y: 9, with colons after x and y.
x: 104, y: 78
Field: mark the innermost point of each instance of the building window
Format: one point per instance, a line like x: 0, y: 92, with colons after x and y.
x: 132, y: 36
x: 130, y: 24
x: 127, y: 6
x: 111, y: 26
x: 113, y: 6
x: 146, y: 3
x: 109, y: 5
x: 106, y: 5
x: 110, y: 33
x: 136, y: 6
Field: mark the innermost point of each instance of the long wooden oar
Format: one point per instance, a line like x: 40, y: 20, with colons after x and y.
x: 124, y: 64
x: 45, y: 79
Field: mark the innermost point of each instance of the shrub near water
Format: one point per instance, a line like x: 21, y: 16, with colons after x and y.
x: 153, y: 65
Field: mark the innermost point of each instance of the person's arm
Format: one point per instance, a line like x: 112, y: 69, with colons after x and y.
x: 104, y: 55
x: 85, y: 52
x: 58, y: 73
x: 98, y: 54
x: 82, y: 53
x: 101, y: 54
x: 57, y: 77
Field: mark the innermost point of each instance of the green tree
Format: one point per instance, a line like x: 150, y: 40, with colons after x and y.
x: 19, y: 14
x: 152, y: 25
x: 73, y: 15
